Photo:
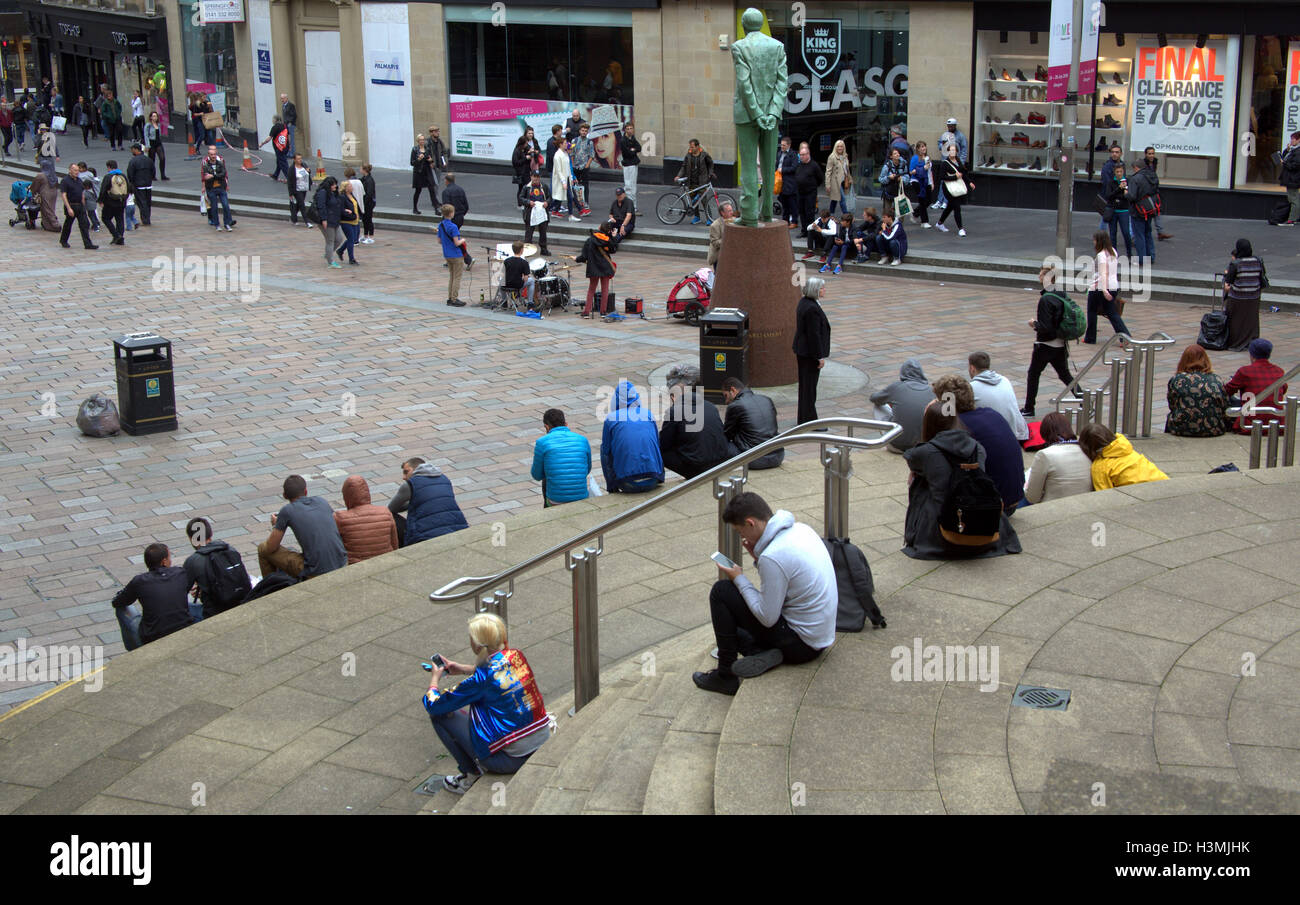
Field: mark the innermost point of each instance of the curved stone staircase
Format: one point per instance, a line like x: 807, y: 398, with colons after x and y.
x: 1149, y: 630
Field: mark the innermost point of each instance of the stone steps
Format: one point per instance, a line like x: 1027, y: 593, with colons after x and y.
x: 607, y: 757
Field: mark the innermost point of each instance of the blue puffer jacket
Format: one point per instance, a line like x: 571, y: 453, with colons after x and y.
x: 629, y: 443
x: 433, y: 511
x: 562, y: 461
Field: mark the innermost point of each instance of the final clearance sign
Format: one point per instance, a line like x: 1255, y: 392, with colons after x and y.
x: 1183, y: 100
x: 1292, y: 100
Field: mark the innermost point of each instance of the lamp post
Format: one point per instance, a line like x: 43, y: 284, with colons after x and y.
x: 1070, y: 119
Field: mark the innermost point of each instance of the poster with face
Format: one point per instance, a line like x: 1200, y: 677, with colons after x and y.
x: 487, y: 128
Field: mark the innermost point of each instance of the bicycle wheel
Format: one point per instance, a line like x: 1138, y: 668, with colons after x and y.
x: 670, y: 210
x: 777, y: 211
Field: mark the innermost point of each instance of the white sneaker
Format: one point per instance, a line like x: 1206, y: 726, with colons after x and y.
x: 961, y: 232
x: 895, y: 262
x: 941, y: 228
x: 574, y: 219
x: 884, y: 259
x: 460, y: 783
x: 367, y: 241
x: 925, y: 226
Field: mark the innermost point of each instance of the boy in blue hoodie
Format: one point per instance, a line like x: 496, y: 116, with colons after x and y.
x: 629, y: 445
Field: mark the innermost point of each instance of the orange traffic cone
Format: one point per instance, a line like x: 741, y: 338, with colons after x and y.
x: 248, y: 158
x: 320, y: 165
x: 191, y: 152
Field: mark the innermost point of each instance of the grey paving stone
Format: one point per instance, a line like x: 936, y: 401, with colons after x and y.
x: 402, y: 746
x: 1002, y: 579
x: 969, y: 721
x: 231, y: 691
x: 842, y: 801
x: 273, y: 719
x: 764, y: 710
x: 107, y: 805
x: 681, y: 781
x: 622, y: 783
x: 1032, y: 749
x: 1041, y: 614
x: 169, y: 777
x: 55, y: 747
x: 1268, y: 621
x: 1088, y: 650
x: 1223, y: 652
x: 1192, y: 741
x: 239, y: 796
x: 1219, y: 583
x: 1186, y: 515
x: 1133, y: 791
x: 1143, y: 611
x: 1103, y: 580
x: 1074, y: 541
x: 1264, y: 723
x: 366, y: 670
x: 752, y: 779
x: 1196, y: 693
x: 1184, y: 550
x: 12, y: 797
x: 145, y: 743
x: 859, y: 676
x: 331, y: 789
x: 1271, y: 683
x: 885, y: 751
x: 972, y: 784
x: 1276, y: 768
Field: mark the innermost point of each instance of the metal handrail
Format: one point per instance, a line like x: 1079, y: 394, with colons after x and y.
x: 1137, y: 364
x: 454, y: 591
x: 727, y: 484
x: 1269, y: 427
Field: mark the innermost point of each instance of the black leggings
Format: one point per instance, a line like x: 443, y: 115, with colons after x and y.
x: 433, y: 198
x: 368, y: 217
x: 298, y: 205
x: 85, y: 135
x: 159, y: 156
x: 954, y: 208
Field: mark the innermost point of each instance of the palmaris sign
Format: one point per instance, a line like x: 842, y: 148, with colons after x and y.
x: 805, y: 92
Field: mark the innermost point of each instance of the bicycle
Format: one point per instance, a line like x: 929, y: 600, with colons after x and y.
x: 705, y: 200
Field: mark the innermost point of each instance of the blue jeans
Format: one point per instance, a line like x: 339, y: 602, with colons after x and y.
x: 1122, y: 219
x: 351, y: 232
x: 454, y: 731
x: 1143, y: 239
x: 282, y: 166
x: 215, y: 196
x: 292, y: 150
x: 21, y: 130
x: 838, y: 252
x: 128, y: 620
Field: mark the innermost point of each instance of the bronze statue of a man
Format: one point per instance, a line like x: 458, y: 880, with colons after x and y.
x: 760, y: 98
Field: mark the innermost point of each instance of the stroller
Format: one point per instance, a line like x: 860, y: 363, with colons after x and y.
x: 689, y: 298
x: 26, y: 207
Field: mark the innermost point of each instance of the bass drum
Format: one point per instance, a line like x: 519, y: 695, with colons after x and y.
x: 553, y: 292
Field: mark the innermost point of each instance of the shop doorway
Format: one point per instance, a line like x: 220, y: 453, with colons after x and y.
x: 324, y: 92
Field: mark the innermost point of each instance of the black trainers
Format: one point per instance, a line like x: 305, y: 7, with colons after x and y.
x: 713, y: 680
x: 456, y: 303
x: 756, y: 665
x: 1026, y: 413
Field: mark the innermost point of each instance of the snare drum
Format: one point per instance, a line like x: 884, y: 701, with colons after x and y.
x: 538, y: 268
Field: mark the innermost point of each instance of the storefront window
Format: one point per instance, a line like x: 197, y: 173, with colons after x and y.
x: 210, y: 63
x: 18, y: 63
x: 847, y: 79
x: 1270, y: 106
x: 592, y: 64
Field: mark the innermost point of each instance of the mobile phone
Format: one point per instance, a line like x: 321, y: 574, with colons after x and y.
x: 723, y: 561
x: 436, y: 658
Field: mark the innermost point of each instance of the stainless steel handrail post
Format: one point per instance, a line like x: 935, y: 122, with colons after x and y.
x: 1131, y: 368
x: 835, y: 503
x: 1270, y: 459
x: 586, y: 627
x: 1288, y: 432
x: 1254, y: 443
x: 1148, y: 386
x: 724, y: 491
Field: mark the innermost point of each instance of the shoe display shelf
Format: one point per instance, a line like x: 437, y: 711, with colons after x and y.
x: 1016, y: 126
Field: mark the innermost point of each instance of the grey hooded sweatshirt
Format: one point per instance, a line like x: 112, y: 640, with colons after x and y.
x: 402, y: 498
x: 993, y: 391
x: 907, y: 397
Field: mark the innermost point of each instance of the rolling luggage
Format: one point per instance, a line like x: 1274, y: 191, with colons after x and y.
x: 1214, y: 325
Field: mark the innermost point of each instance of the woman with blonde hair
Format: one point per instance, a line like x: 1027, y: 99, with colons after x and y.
x: 504, y: 719
x: 839, y: 179
x: 1197, y: 399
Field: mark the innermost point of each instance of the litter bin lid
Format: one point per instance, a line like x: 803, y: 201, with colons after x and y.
x: 724, y: 316
x: 145, y: 340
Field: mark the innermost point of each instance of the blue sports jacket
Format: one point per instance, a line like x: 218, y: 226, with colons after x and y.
x: 562, y: 459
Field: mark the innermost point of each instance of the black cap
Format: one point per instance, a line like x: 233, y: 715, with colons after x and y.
x: 620, y: 191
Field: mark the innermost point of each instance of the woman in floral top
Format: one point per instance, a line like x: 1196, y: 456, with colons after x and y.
x: 1196, y: 397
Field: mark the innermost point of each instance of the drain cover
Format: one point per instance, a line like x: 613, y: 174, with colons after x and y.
x: 1040, y: 698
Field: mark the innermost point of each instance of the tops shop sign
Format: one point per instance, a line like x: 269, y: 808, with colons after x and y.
x: 805, y: 93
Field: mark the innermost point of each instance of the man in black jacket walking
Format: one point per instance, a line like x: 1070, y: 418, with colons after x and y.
x: 139, y: 172
x: 631, y: 159
x: 289, y: 116
x: 807, y: 180
x: 1049, y: 348
x: 812, y: 345
x: 455, y: 196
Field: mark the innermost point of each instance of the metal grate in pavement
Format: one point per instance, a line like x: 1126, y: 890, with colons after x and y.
x: 1039, y: 698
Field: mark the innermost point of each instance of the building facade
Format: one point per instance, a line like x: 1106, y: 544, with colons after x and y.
x: 1214, y: 87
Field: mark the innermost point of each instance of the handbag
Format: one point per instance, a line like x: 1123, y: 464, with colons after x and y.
x: 1118, y: 302
x: 59, y: 124
x: 902, y: 207
x: 777, y: 183
x: 954, y: 187
x: 1103, y: 207
x: 212, y: 120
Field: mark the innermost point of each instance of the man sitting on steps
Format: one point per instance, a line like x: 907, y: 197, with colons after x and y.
x: 791, y: 619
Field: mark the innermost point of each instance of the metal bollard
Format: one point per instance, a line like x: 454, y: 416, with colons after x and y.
x: 1288, y: 431
x: 586, y: 628
x: 1148, y: 379
x: 1270, y: 460
x: 496, y: 605
x: 1254, y: 443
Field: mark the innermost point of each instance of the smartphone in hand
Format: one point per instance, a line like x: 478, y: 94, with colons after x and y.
x: 436, y: 658
x: 723, y: 561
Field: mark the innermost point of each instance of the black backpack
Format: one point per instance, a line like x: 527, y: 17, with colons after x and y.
x: 857, y: 590
x: 971, y: 513
x: 276, y: 581
x: 228, y: 581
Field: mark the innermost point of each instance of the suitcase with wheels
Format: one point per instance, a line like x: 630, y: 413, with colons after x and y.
x: 1214, y: 325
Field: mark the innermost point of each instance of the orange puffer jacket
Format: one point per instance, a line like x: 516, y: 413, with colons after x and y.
x: 367, y: 530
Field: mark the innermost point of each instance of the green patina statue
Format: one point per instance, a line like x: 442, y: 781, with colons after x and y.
x: 760, y: 97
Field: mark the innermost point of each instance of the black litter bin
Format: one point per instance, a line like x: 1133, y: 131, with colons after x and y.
x: 146, y: 389
x: 724, y: 349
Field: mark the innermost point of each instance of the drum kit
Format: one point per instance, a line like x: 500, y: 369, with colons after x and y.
x: 550, y: 280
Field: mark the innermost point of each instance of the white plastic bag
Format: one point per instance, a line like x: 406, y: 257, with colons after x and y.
x: 593, y: 487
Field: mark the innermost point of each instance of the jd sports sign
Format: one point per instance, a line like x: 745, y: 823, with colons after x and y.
x: 821, y: 45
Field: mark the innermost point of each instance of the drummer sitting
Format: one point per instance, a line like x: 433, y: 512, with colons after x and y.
x: 517, y: 275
